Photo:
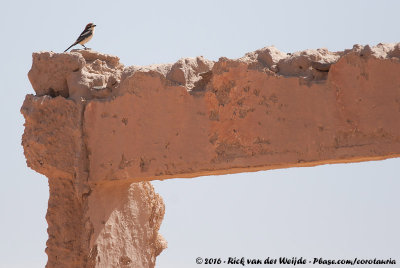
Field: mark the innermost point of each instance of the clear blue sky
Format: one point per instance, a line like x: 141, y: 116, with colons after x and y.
x: 333, y: 211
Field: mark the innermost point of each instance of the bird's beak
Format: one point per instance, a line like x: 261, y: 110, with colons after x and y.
x: 94, y: 25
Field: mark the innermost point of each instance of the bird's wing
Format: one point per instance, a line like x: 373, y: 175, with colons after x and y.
x: 85, y: 34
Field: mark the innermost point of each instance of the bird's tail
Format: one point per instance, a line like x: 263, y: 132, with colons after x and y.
x: 70, y: 47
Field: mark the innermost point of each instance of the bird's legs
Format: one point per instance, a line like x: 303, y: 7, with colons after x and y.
x: 84, y: 46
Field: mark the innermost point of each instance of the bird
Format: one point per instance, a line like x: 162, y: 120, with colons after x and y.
x: 85, y: 36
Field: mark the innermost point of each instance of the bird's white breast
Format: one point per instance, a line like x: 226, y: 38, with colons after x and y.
x: 87, y: 39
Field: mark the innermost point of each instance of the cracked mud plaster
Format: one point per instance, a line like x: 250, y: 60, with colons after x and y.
x: 100, y: 131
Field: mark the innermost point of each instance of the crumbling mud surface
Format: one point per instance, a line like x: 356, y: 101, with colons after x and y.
x: 100, y: 131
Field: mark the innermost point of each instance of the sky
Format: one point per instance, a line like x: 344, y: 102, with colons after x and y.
x: 330, y: 211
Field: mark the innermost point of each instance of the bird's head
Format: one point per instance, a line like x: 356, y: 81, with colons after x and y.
x: 90, y: 26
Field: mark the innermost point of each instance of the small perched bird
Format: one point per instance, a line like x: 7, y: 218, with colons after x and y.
x: 85, y: 36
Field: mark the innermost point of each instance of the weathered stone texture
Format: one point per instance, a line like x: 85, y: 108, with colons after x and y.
x: 98, y: 130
